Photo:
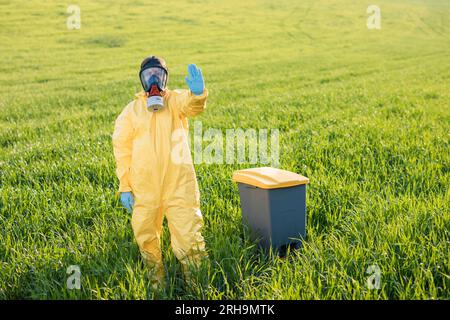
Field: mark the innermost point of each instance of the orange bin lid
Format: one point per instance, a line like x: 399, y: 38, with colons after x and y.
x: 269, y: 178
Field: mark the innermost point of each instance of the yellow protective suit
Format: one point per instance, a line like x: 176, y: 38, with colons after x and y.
x: 143, y: 144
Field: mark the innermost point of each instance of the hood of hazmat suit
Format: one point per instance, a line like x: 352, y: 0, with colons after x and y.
x: 154, y: 163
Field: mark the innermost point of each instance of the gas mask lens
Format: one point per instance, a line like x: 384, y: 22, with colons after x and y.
x: 154, y: 76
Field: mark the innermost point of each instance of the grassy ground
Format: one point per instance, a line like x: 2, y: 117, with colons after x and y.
x: 363, y: 113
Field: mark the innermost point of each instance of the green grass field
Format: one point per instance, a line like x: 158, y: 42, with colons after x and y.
x: 365, y: 114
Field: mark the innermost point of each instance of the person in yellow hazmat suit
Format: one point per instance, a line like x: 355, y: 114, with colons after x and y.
x: 153, y: 182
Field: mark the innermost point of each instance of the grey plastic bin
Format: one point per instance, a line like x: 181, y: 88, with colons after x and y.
x: 273, y: 203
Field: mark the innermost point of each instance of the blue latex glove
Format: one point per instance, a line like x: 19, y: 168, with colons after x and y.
x: 195, y: 80
x: 126, y: 198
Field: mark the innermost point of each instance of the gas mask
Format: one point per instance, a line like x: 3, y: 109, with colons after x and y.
x: 153, y: 77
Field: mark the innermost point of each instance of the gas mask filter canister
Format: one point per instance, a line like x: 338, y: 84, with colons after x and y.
x: 154, y: 98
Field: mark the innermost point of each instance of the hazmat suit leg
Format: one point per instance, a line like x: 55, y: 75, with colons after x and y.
x: 185, y: 233
x: 182, y: 210
x: 147, y: 227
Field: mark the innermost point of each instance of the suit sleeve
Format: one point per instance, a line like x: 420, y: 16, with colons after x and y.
x: 190, y: 104
x: 122, y: 144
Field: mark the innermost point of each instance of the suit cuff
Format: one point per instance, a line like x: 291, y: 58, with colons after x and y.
x: 124, y: 187
x: 201, y: 96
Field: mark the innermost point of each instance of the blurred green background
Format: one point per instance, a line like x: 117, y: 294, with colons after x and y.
x: 363, y: 113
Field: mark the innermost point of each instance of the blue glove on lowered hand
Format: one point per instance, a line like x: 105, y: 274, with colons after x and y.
x: 126, y: 198
x: 195, y: 80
